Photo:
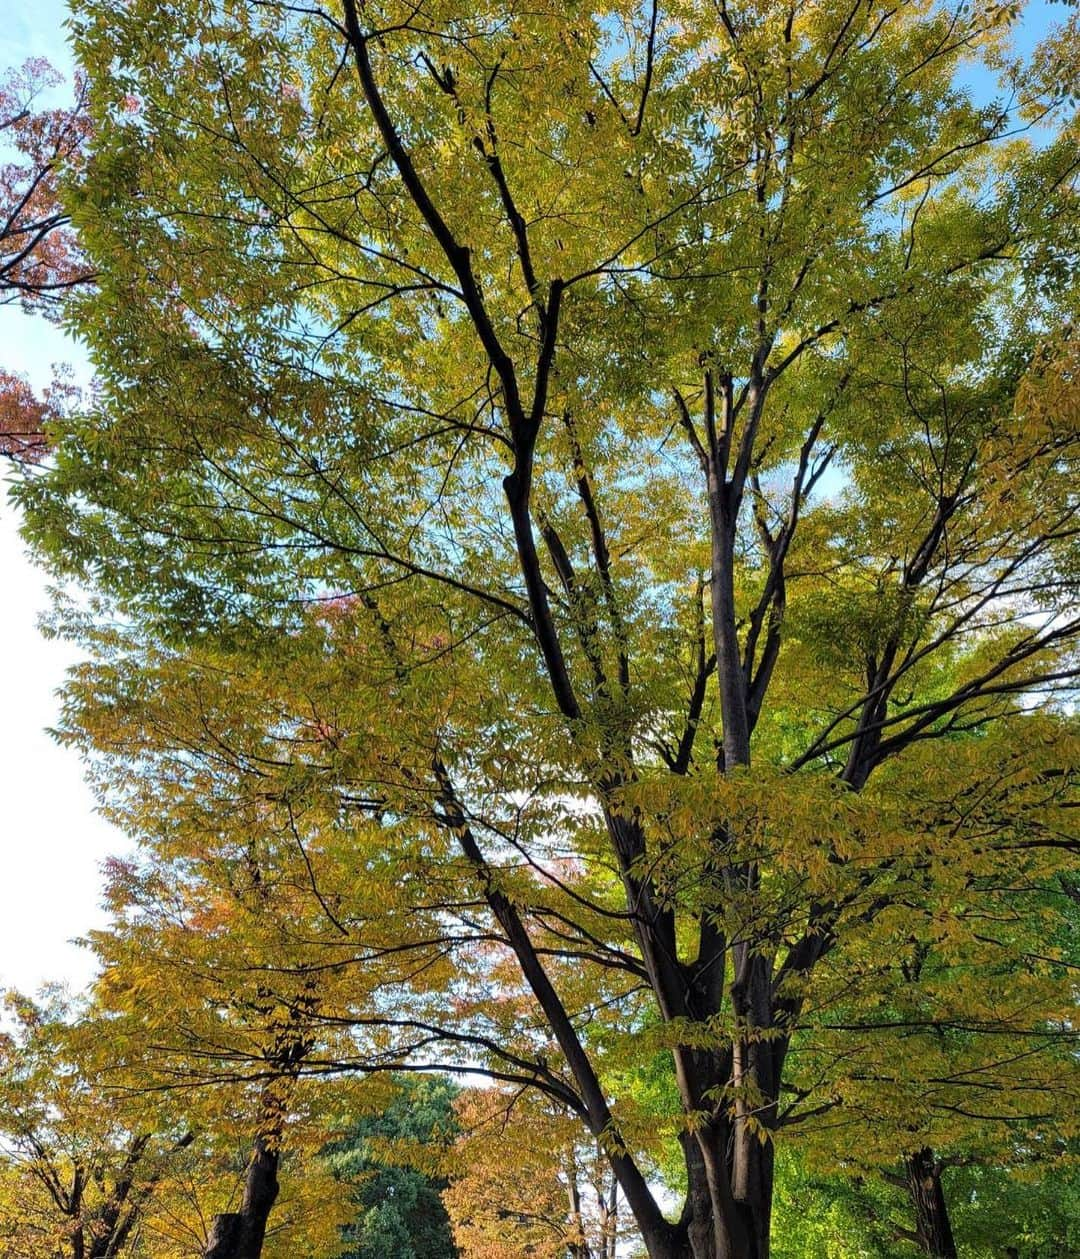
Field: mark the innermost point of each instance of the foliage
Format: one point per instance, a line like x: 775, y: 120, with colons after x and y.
x: 525, y: 1186
x: 401, y: 1213
x: 92, y: 1168
x: 39, y: 257
x: 583, y: 510
x: 79, y: 1176
x: 993, y: 1208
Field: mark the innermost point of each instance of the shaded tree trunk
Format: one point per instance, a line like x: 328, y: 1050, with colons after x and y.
x: 932, y: 1227
x: 240, y: 1234
x: 579, y: 1247
x: 715, y: 1224
x: 756, y: 1068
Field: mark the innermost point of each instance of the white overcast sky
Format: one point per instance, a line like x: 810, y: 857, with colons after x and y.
x: 51, y: 840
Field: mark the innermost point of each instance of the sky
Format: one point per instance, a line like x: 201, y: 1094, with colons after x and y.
x: 52, y: 841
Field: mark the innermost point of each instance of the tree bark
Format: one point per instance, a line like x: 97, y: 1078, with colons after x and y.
x: 932, y: 1227
x: 715, y: 1224
x: 240, y: 1234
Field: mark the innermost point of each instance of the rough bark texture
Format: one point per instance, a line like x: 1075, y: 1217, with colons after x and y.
x: 932, y: 1227
x: 240, y: 1234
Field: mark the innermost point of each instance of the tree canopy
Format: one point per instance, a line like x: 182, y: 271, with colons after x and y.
x: 582, y: 508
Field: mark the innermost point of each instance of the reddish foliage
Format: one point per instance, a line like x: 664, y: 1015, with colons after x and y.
x: 23, y: 415
x: 39, y: 258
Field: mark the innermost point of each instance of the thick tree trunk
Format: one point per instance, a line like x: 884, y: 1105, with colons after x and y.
x: 715, y: 1224
x: 754, y: 1189
x: 240, y: 1234
x: 932, y: 1227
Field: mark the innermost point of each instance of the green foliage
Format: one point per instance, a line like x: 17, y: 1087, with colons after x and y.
x: 401, y: 1214
x: 1028, y: 1207
x: 835, y: 1215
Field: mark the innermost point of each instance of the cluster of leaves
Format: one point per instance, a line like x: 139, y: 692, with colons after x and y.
x: 39, y: 254
x: 1012, y: 1209
x: 524, y: 1184
x: 395, y: 1161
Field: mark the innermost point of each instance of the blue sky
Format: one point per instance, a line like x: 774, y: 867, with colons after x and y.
x: 54, y: 842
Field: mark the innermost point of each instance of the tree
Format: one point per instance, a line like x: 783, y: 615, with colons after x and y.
x: 94, y: 1167
x: 672, y: 412
x: 1028, y: 1212
x: 525, y: 1186
x: 182, y: 985
x: 78, y: 1178
x: 393, y: 1160
x: 970, y: 1077
x: 39, y: 258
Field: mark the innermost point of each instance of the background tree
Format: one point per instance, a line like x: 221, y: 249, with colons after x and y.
x: 394, y: 1160
x: 217, y: 1035
x: 97, y: 1162
x: 525, y: 343
x: 39, y: 255
x: 40, y: 259
x: 943, y: 1045
x: 79, y: 1177
x: 524, y: 1184
x: 996, y: 1210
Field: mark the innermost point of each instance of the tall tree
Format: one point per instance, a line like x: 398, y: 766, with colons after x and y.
x: 652, y: 399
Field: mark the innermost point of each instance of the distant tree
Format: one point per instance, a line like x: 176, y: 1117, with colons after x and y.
x: 524, y: 1185
x: 942, y: 1066
x: 182, y: 971
x: 79, y: 1174
x: 25, y: 414
x: 40, y: 260
x: 39, y: 255
x: 393, y: 1160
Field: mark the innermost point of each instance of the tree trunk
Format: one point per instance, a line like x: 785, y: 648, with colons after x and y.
x: 609, y: 1219
x: 754, y: 1189
x: 755, y: 1070
x: 698, y: 1221
x: 715, y: 1224
x: 240, y: 1234
x: 932, y: 1227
